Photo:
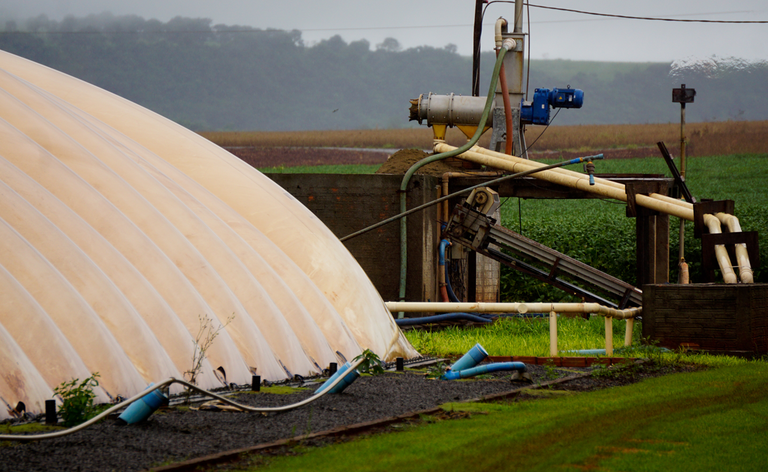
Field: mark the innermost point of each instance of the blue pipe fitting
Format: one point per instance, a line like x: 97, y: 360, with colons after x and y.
x: 142, y: 408
x: 473, y: 357
x: 443, y: 244
x: 349, y: 377
x: 483, y: 369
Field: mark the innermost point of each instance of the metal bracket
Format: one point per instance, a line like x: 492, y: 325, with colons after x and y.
x: 642, y: 188
x: 708, y: 207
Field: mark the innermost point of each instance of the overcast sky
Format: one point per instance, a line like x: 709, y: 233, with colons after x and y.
x: 553, y: 34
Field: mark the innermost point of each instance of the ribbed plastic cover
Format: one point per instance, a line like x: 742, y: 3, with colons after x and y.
x: 119, y: 229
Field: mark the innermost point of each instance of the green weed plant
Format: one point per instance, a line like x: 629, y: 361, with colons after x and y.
x: 77, y: 400
x: 371, y: 363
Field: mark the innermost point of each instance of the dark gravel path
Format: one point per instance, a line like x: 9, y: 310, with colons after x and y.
x: 176, y: 434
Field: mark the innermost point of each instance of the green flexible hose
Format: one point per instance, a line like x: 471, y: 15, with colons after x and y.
x: 407, y: 177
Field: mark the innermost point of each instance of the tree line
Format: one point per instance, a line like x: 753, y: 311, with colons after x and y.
x: 229, y: 77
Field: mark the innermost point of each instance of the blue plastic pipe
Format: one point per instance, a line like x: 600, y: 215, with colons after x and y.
x: 483, y: 369
x: 473, y: 357
x: 142, y: 408
x: 442, y: 317
x: 349, y: 377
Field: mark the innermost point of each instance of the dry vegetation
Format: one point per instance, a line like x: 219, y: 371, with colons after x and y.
x: 704, y: 139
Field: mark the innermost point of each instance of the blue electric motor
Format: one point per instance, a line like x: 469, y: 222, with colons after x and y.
x: 537, y: 111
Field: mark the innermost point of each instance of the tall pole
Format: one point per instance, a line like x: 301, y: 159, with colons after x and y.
x: 682, y: 175
x: 478, y: 31
x: 682, y: 96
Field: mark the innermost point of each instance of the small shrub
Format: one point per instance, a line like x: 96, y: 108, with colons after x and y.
x: 371, y: 363
x: 77, y: 400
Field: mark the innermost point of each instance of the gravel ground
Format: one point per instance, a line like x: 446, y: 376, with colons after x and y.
x: 176, y: 434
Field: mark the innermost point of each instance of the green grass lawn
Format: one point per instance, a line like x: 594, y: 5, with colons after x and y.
x: 711, y: 420
x: 521, y: 337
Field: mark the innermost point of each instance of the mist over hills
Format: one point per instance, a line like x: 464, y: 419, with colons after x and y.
x: 228, y: 77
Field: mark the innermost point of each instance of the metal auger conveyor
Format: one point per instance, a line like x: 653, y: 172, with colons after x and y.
x: 480, y: 233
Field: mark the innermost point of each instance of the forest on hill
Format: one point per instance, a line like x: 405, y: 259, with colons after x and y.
x: 219, y: 77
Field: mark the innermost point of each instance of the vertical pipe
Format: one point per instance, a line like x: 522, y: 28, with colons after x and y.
x: 552, y: 334
x: 518, y: 16
x: 628, y: 333
x: 446, y: 210
x: 608, y: 336
x: 682, y: 139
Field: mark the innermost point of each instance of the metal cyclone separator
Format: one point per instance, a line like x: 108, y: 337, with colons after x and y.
x: 467, y: 366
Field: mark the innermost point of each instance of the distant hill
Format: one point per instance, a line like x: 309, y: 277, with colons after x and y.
x: 219, y: 77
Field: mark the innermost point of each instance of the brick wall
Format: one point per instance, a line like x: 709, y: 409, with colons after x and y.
x: 347, y: 203
x: 716, y: 317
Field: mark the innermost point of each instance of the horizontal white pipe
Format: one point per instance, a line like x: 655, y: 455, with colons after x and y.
x: 478, y: 307
x: 606, y: 188
x: 573, y: 180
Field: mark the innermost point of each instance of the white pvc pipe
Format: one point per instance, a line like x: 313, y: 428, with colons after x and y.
x: 477, y: 307
x: 605, y: 188
x: 742, y: 257
x: 608, y: 336
x: 630, y: 326
x: 720, y: 252
x: 500, y: 24
x: 573, y: 180
x: 552, y: 334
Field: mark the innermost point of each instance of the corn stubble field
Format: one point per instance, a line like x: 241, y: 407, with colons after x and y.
x: 704, y: 139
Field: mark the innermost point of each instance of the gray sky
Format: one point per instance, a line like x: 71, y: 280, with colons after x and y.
x: 553, y: 34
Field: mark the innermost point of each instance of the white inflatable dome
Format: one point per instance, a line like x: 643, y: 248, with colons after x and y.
x: 119, y: 229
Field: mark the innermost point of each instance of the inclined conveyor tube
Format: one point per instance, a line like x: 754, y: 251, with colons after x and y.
x: 603, y: 187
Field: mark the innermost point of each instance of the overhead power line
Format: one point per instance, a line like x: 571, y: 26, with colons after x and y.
x: 645, y: 18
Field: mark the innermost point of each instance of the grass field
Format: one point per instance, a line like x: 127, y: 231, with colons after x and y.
x: 710, y: 420
x: 521, y: 337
